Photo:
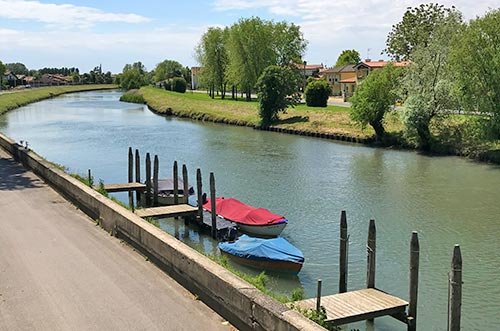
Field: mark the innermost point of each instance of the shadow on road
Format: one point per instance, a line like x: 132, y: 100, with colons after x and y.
x: 14, y: 177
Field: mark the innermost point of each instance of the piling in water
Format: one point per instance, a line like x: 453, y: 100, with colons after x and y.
x: 343, y: 253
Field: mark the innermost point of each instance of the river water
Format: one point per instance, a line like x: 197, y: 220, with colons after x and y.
x: 448, y: 200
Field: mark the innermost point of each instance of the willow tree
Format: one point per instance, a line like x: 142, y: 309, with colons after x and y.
x: 212, y: 54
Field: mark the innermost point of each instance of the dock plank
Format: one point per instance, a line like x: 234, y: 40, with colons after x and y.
x: 167, y: 211
x: 111, y: 188
x: 357, y: 305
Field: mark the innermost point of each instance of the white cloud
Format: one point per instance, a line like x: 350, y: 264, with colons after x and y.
x: 331, y: 26
x: 64, y: 15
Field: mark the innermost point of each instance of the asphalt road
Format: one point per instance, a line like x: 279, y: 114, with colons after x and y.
x: 58, y: 271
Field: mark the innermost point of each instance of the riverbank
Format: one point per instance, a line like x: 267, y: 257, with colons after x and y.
x: 9, y: 101
x: 332, y: 122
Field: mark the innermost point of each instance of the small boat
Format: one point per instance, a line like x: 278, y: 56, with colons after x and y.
x: 257, y: 221
x: 275, y: 254
x: 166, y: 191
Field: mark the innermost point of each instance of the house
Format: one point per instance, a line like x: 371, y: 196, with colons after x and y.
x: 195, y: 77
x: 342, y: 79
x: 12, y: 79
x: 309, y: 70
x: 363, y: 68
x: 55, y: 79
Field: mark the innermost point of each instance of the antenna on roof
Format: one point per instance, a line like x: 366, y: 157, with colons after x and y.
x: 368, y: 53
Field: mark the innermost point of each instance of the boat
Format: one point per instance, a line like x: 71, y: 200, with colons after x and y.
x: 166, y: 191
x: 275, y: 254
x: 252, y: 220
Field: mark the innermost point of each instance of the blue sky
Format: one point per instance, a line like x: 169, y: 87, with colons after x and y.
x: 54, y: 33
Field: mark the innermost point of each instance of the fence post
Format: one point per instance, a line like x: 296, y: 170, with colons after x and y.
x: 455, y: 289
x: 343, y: 253
x: 413, y: 295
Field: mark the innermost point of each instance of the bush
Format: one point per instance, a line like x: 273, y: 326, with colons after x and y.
x: 179, y: 84
x: 132, y: 96
x: 168, y: 85
x: 317, y: 93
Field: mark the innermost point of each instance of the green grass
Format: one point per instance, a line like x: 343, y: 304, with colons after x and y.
x: 19, y: 98
x: 132, y: 96
x: 332, y: 119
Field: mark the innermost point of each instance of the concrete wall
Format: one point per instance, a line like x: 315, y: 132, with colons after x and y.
x: 238, y: 301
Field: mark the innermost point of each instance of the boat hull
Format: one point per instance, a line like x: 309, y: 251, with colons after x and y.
x: 272, y: 265
x: 271, y: 230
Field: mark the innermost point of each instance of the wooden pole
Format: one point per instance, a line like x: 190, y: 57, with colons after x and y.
x: 148, y: 180
x: 176, y: 183
x: 185, y: 187
x: 414, y: 264
x: 455, y: 288
x: 130, y: 176
x: 343, y: 253
x: 156, y: 170
x: 91, y: 184
x: 137, y: 174
x: 212, y: 205
x: 318, y: 296
x: 371, y: 250
x: 199, y: 191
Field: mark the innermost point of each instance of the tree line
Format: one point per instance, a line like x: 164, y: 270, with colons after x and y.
x: 454, y: 66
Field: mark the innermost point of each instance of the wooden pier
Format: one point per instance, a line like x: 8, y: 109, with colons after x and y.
x: 357, y: 306
x: 126, y: 187
x: 168, y: 211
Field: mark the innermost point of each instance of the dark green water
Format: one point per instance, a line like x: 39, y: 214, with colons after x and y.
x: 448, y: 200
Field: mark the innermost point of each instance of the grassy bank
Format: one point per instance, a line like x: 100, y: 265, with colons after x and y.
x: 329, y: 120
x: 12, y: 100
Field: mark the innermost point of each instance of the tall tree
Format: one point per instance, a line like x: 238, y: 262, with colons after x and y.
x: 17, y: 68
x: 288, y: 44
x: 415, y: 30
x: 213, y: 56
x: 429, y: 81
x: 374, y: 97
x: 2, y: 72
x: 168, y: 69
x: 133, y: 76
x: 348, y: 56
x: 475, y: 60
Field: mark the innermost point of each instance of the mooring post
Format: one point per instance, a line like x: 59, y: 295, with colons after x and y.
x: 212, y: 205
x: 176, y: 184
x: 156, y: 170
x: 371, y: 250
x: 185, y: 187
x: 413, y: 295
x: 343, y: 253
x: 137, y: 175
x: 91, y: 182
x: 455, y: 290
x: 199, y: 192
x: 318, y: 296
x: 148, y: 180
x: 130, y: 176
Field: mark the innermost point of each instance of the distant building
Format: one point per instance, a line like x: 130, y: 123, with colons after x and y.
x: 195, y: 77
x: 55, y: 79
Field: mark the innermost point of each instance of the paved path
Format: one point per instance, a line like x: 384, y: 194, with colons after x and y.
x: 58, y: 271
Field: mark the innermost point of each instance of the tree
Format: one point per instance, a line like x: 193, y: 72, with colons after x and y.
x: 348, y: 56
x: 429, y: 82
x: 17, y: 68
x: 133, y: 76
x: 168, y: 69
x: 415, y: 30
x: 255, y: 44
x: 374, y: 97
x: 317, y: 93
x: 2, y: 72
x: 277, y: 90
x: 213, y: 56
x: 475, y: 60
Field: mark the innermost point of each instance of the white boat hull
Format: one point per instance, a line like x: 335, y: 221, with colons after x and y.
x: 272, y: 230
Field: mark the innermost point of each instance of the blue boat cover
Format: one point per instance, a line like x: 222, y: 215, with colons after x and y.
x: 278, y: 249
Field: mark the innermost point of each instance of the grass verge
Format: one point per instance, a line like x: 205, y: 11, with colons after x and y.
x: 12, y: 100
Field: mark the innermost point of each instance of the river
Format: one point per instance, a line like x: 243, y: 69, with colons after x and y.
x: 448, y: 200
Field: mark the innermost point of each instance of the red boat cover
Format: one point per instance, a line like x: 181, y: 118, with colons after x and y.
x: 236, y: 211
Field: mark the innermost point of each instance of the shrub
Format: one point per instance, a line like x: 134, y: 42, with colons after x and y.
x: 168, y: 85
x: 179, y: 84
x: 317, y: 93
x: 132, y: 96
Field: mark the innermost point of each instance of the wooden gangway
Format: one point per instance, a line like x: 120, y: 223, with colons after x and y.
x: 357, y: 305
x: 167, y: 211
x: 126, y: 187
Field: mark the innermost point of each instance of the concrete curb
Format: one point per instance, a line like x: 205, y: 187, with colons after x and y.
x: 238, y: 301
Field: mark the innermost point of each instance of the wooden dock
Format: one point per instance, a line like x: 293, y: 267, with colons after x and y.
x: 357, y: 306
x: 167, y: 211
x: 126, y: 187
